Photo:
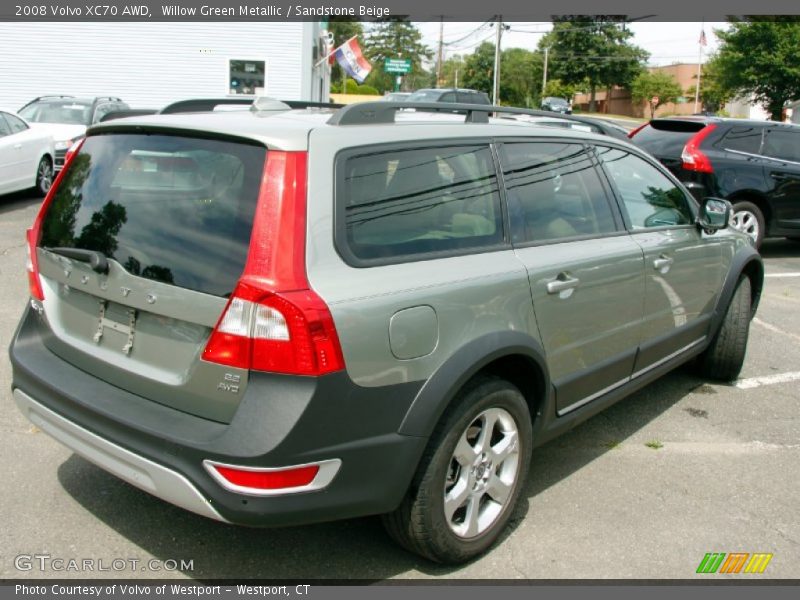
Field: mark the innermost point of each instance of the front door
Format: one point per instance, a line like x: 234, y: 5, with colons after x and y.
x: 683, y: 266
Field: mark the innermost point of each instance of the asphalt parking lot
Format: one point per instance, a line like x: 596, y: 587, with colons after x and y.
x: 644, y: 490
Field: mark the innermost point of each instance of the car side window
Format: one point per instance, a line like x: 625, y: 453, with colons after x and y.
x: 448, y: 97
x: 554, y: 192
x: 743, y: 139
x: 406, y: 202
x: 782, y: 144
x: 649, y: 197
x: 4, y: 128
x: 15, y: 125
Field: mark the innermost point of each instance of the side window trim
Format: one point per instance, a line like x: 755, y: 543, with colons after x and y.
x: 692, y: 202
x: 339, y: 221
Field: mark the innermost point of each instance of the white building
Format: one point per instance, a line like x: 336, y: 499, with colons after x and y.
x: 149, y: 65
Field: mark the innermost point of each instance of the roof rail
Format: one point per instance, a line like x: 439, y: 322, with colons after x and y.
x: 383, y: 111
x: 112, y: 98
x: 45, y: 98
x: 363, y: 113
x: 209, y: 104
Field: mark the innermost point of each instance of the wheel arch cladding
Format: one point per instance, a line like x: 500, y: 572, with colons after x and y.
x: 746, y: 262
x: 756, y: 197
x: 512, y: 355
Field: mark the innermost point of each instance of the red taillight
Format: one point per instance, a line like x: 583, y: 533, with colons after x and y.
x: 34, y: 234
x: 274, y: 321
x: 267, y: 479
x: 693, y: 159
x: 638, y: 129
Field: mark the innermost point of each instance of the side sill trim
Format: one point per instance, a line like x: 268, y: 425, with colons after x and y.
x: 668, y: 358
x: 622, y: 382
x: 164, y: 483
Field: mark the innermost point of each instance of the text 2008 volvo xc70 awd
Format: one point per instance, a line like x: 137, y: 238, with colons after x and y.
x: 276, y: 316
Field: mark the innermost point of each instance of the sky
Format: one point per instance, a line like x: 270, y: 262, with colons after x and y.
x: 667, y: 42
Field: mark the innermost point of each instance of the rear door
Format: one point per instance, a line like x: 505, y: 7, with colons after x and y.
x: 173, y: 216
x: 781, y: 153
x: 585, y: 272
x: 683, y: 266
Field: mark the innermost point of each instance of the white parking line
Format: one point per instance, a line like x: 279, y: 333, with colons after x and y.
x: 782, y: 275
x: 774, y: 329
x: 754, y: 382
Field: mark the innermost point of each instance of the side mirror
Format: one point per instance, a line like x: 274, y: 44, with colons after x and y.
x: 715, y: 214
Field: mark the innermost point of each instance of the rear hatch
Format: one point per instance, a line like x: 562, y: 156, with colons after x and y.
x: 666, y: 138
x: 172, y: 216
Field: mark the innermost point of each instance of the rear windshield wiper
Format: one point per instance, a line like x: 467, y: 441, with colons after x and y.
x: 97, y: 260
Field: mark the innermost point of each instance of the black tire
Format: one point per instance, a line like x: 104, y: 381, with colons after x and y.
x: 420, y: 523
x: 44, y: 176
x: 723, y: 359
x: 742, y: 209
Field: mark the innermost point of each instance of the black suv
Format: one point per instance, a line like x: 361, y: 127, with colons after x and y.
x: 754, y: 164
x: 449, y: 95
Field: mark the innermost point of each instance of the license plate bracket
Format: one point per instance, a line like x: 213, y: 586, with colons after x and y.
x: 128, y: 330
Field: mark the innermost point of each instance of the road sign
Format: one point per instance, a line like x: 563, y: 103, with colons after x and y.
x: 397, y: 65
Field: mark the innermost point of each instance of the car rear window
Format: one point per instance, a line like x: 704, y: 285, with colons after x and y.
x: 666, y: 137
x: 406, y: 202
x: 168, y: 208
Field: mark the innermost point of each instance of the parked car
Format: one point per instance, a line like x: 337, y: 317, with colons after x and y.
x: 67, y: 118
x: 397, y: 96
x: 463, y: 96
x: 26, y: 156
x: 753, y: 164
x: 559, y: 105
x: 277, y: 316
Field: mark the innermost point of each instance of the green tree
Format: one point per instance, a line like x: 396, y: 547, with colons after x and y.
x: 479, y: 69
x: 559, y: 89
x: 396, y: 38
x: 713, y: 95
x: 453, y: 70
x: 655, y: 84
x: 342, y: 30
x: 520, y: 77
x: 592, y: 49
x: 761, y: 58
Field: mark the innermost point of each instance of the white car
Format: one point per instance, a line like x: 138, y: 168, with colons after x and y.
x: 26, y: 155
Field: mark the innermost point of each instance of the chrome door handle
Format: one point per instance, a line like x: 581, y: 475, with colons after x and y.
x: 662, y: 262
x: 562, y: 283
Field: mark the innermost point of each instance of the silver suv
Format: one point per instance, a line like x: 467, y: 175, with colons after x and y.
x: 277, y: 316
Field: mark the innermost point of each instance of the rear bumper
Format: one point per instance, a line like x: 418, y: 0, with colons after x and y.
x: 281, y: 421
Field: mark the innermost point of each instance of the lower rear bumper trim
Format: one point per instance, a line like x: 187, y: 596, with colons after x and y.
x: 141, y: 472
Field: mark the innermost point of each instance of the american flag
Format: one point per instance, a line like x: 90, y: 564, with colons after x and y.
x: 702, y: 41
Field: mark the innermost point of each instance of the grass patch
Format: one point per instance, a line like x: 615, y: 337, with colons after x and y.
x: 654, y: 444
x: 611, y: 444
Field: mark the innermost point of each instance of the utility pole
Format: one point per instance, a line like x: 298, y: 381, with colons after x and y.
x: 700, y: 45
x: 544, y: 75
x: 496, y: 86
x: 441, y: 46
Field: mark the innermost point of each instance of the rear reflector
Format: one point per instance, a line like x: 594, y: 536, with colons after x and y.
x: 266, y: 481
x: 269, y: 480
x: 274, y: 321
x: 692, y: 157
